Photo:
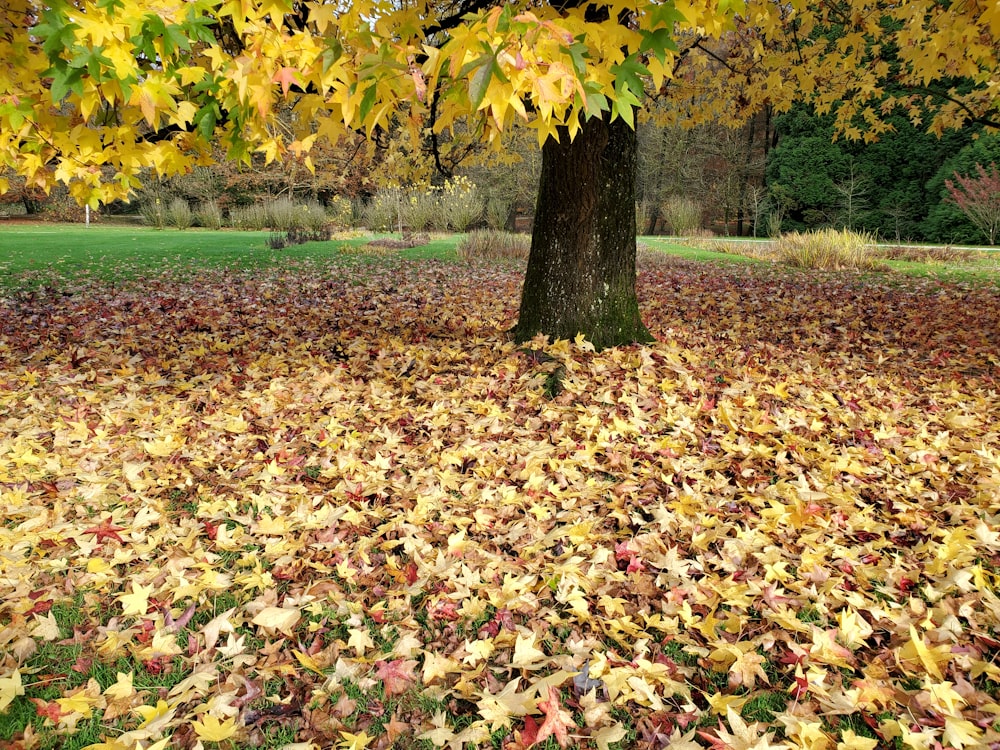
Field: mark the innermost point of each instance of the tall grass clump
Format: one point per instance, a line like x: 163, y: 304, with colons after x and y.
x: 491, y: 244
x: 154, y: 213
x: 683, y: 215
x: 282, y: 214
x: 419, y: 209
x: 250, y: 218
x: 208, y: 215
x: 828, y: 250
x: 340, y: 211
x: 497, y: 213
x: 381, y: 212
x: 461, y: 203
x: 179, y: 214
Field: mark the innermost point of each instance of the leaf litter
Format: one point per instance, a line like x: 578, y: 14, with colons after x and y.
x: 333, y: 503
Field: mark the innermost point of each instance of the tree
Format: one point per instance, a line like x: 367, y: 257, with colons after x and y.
x: 93, y: 92
x: 946, y: 222
x: 978, y: 197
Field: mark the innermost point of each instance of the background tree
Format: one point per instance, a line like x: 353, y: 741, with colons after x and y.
x: 94, y: 92
x: 978, y: 197
x: 945, y: 221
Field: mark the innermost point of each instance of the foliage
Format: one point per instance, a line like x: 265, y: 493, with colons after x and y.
x: 95, y: 93
x: 333, y: 498
x: 420, y: 209
x: 493, y: 244
x: 882, y: 187
x: 978, y: 197
x: 682, y: 215
x: 340, y: 211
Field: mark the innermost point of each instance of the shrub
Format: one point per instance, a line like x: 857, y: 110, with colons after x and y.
x: 340, y: 211
x: 311, y: 216
x: 683, y: 215
x: 154, y: 213
x: 497, y: 213
x: 461, y: 204
x: 179, y: 214
x: 209, y: 215
x: 251, y: 218
x: 419, y: 207
x: 281, y: 214
x: 490, y: 244
x: 918, y: 254
x: 381, y: 212
x: 828, y: 249
x: 978, y: 197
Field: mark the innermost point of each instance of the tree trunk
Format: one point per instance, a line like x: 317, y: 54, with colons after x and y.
x: 581, y: 270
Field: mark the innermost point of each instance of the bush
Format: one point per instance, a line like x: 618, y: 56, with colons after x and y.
x: 340, y: 211
x: 154, y: 213
x: 917, y: 254
x: 179, y: 214
x: 281, y: 240
x: 209, y: 215
x: 497, y: 213
x: 490, y: 244
x: 828, y: 249
x: 250, y: 218
x: 419, y: 208
x: 281, y: 214
x: 461, y: 204
x: 683, y: 215
x: 380, y: 214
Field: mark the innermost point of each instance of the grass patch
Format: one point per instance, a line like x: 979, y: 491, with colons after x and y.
x: 46, y: 255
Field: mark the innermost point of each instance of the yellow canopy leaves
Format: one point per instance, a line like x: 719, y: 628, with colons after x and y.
x: 157, y: 83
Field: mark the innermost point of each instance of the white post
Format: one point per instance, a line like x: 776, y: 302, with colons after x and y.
x: 87, y: 213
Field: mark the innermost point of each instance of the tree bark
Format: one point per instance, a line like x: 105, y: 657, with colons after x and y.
x: 581, y: 269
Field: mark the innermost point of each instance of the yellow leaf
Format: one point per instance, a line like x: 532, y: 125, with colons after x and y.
x: 212, y: 730
x: 10, y: 688
x: 526, y: 656
x: 851, y: 741
x: 308, y: 662
x: 357, y: 741
x: 282, y: 619
x: 136, y: 603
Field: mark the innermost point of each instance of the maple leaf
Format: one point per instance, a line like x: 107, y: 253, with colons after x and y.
x: 396, y: 675
x: 741, y: 736
x: 211, y: 729
x: 106, y: 530
x: 351, y: 741
x: 557, y: 720
x: 10, y: 688
x: 137, y: 602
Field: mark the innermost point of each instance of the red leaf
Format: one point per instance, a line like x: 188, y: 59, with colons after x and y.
x: 49, y: 710
x: 557, y: 720
x: 106, y: 530
x: 397, y: 675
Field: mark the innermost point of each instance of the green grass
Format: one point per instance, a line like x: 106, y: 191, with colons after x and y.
x: 982, y: 269
x: 45, y: 253
x: 48, y: 252
x: 688, y: 252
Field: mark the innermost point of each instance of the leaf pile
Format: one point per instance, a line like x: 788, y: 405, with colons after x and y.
x: 333, y: 506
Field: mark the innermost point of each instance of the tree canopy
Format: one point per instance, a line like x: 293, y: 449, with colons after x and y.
x: 93, y: 92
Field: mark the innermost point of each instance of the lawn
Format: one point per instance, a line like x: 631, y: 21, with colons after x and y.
x: 307, y: 500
